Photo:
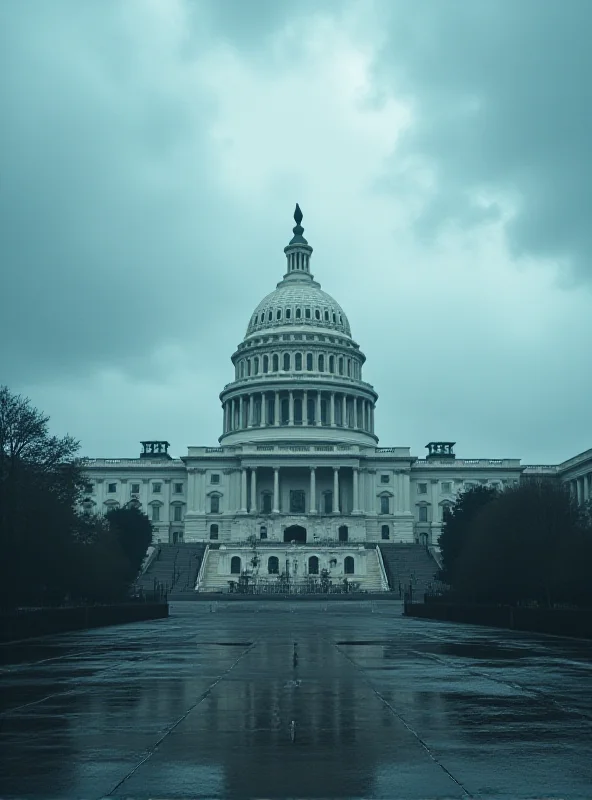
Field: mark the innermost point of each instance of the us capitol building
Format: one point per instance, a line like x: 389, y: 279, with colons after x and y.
x: 298, y: 459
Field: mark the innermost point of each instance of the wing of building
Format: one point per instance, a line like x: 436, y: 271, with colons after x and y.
x: 298, y: 460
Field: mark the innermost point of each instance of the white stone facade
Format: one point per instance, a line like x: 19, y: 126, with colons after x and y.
x: 298, y: 456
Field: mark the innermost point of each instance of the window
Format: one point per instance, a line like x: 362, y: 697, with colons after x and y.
x: 215, y: 478
x: 341, y: 365
x: 88, y: 487
x: 321, y: 363
x: 423, y: 513
x: 326, y: 316
x: 385, y: 532
x: 255, y: 365
x: 178, y: 488
x: 286, y: 362
x: 297, y: 501
x: 422, y: 488
x: 298, y: 313
x: 288, y: 313
x: 328, y: 502
x: 385, y: 505
x: 155, y: 513
x: 213, y: 531
x: 265, y: 364
x: 263, y: 532
x: 343, y: 533
x: 307, y: 313
x: 446, y: 487
x: 235, y: 565
x: 273, y: 565
x: 214, y: 504
x: 135, y: 488
x: 266, y: 505
x: 317, y: 313
x: 278, y: 313
x: 276, y: 363
x: 111, y: 488
x: 298, y: 362
x: 313, y: 565
x: 156, y: 487
x: 348, y: 565
x: 262, y: 317
x: 331, y: 363
x: 385, y: 478
x: 177, y: 514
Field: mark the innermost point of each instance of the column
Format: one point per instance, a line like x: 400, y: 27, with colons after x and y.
x: 291, y: 408
x: 332, y: 420
x: 435, y: 506
x: 372, y: 419
x: 336, y: 490
x: 251, y: 410
x: 276, y: 491
x: 586, y: 488
x: 305, y: 408
x: 232, y: 414
x: 355, y: 411
x: 579, y: 490
x: 344, y: 411
x: 318, y: 414
x: 407, y: 492
x: 253, y: 490
x: 313, y: 491
x: 263, y: 409
x: 200, y: 487
x: 356, y: 508
x: 243, y: 500
x: 241, y: 410
x: 276, y: 409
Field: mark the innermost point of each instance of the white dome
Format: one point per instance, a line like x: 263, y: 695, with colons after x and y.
x: 299, y: 303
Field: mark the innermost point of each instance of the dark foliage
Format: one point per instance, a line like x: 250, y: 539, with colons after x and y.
x: 50, y: 553
x: 133, y: 532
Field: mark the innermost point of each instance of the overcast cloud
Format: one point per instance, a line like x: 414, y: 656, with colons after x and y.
x: 151, y: 152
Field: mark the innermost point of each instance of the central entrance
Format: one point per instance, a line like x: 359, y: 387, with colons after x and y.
x: 295, y: 533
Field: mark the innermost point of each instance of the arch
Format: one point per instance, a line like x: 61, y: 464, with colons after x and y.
x: 275, y: 363
x: 321, y: 363
x: 270, y: 315
x: 263, y: 532
x: 295, y: 533
x: 265, y: 364
x: 256, y: 365
x: 313, y: 565
x: 326, y: 315
x: 343, y: 533
x: 317, y: 313
x: 349, y: 565
x: 288, y: 313
x: 307, y: 313
x: 213, y: 531
x: 298, y: 362
x: 309, y: 363
x: 298, y: 313
x: 286, y: 362
x: 235, y: 565
x: 273, y: 565
x: 332, y: 364
x: 385, y: 532
x: 278, y: 313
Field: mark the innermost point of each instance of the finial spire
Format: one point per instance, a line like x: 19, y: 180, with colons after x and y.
x: 298, y: 230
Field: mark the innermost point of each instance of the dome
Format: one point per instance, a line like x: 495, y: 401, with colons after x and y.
x: 299, y: 303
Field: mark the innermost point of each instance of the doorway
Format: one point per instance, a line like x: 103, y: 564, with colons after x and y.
x: 295, y: 533
x: 343, y: 533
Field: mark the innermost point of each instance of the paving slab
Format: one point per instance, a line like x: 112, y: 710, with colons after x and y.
x: 212, y: 703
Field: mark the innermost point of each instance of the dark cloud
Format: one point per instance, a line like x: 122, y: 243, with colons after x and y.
x: 503, y: 101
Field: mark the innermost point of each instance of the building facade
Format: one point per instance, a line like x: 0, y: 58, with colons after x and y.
x: 298, y: 459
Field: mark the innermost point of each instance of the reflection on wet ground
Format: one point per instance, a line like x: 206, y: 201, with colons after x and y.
x: 333, y: 700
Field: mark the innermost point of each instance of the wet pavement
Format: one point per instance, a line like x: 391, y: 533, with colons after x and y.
x: 219, y: 702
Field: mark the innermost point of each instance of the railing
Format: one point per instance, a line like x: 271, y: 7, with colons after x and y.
x: 202, y: 568
x: 134, y: 462
x: 383, y: 578
x: 289, y: 377
x: 467, y: 462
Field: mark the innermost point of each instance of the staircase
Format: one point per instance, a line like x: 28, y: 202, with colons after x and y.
x: 212, y: 582
x: 407, y: 564
x: 372, y: 581
x: 174, y: 569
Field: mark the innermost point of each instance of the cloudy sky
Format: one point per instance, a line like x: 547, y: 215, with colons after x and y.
x: 152, y: 151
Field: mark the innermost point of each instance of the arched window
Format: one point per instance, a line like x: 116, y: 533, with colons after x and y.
x: 273, y: 565
x: 276, y: 363
x: 298, y: 362
x: 278, y: 313
x: 341, y: 365
x: 215, y: 504
x: 285, y: 411
x: 326, y: 316
x: 155, y: 513
x: 288, y: 313
x: 242, y: 369
x: 213, y: 531
x: 256, y: 365
x: 313, y: 565
x: 265, y: 363
x: 307, y: 313
x: 286, y: 362
x: 297, y: 411
x: 262, y: 317
x: 340, y: 320
x: 321, y: 363
x: 298, y: 313
x: 309, y: 362
x: 386, y: 533
x: 331, y: 364
x: 270, y: 316
x: 348, y: 565
x: 263, y: 532
x: 248, y: 366
x: 317, y: 313
x: 235, y: 565
x: 349, y: 367
x: 385, y: 504
x: 334, y: 318
x: 343, y: 533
